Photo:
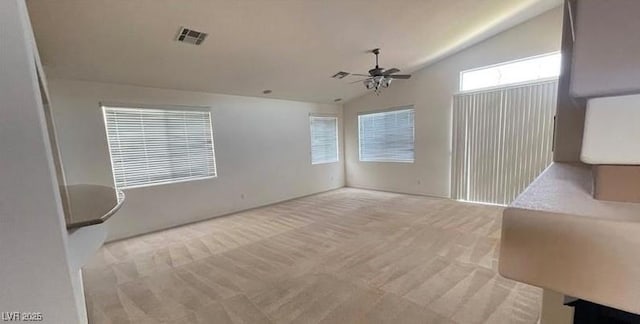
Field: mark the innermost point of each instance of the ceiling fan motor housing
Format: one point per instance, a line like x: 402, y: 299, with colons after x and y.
x: 377, y: 71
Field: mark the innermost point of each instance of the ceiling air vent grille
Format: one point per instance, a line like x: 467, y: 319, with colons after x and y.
x: 191, y: 36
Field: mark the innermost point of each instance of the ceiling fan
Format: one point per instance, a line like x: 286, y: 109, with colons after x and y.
x: 378, y: 77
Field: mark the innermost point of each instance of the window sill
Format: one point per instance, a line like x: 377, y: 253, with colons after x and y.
x: 167, y: 183
x: 320, y: 163
x: 387, y: 161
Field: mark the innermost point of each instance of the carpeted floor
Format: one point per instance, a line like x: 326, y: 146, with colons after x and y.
x: 345, y: 256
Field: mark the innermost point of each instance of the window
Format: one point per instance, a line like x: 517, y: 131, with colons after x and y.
x: 501, y: 140
x: 154, y: 146
x: 387, y: 136
x: 525, y: 70
x: 324, y: 139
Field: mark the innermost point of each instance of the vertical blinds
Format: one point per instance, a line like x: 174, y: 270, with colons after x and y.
x: 152, y: 146
x: 324, y: 139
x: 502, y: 140
x: 387, y: 136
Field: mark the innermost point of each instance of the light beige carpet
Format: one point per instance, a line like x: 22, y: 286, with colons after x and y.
x: 345, y: 256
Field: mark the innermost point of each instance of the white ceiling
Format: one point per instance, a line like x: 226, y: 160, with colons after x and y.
x: 289, y: 46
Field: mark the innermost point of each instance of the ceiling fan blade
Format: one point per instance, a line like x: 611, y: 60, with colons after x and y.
x: 362, y: 75
x: 390, y: 71
x: 359, y: 80
x: 400, y: 76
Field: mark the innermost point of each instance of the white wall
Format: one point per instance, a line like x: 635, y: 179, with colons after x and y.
x: 35, y: 275
x: 262, y: 149
x: 431, y: 90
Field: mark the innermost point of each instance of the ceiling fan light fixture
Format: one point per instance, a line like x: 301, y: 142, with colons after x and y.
x: 378, y: 78
x: 369, y: 84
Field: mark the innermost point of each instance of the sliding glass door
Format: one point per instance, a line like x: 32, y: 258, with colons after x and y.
x: 502, y: 140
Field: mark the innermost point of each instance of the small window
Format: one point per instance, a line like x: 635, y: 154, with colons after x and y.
x: 525, y: 70
x: 324, y: 139
x: 155, y: 146
x: 387, y: 136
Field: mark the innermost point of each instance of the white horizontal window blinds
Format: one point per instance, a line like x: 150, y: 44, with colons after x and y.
x: 324, y: 139
x: 387, y: 136
x: 153, y: 146
x: 502, y: 140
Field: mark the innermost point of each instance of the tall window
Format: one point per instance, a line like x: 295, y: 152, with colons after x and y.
x: 525, y: 70
x: 502, y: 140
x: 324, y: 139
x: 154, y: 146
x: 387, y: 136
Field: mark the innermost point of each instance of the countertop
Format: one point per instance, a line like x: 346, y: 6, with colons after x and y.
x: 91, y: 204
x: 556, y: 236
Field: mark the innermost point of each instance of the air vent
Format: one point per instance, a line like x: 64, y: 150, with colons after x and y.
x: 191, y: 36
x: 340, y: 75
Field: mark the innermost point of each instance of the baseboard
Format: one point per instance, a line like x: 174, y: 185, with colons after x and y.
x: 226, y: 213
x: 398, y: 192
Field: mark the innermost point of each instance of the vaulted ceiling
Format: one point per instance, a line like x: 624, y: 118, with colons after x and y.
x: 289, y: 46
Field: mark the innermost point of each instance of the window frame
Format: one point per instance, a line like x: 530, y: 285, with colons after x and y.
x: 511, y: 84
x: 337, y: 123
x: 393, y: 109
x: 103, y: 106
